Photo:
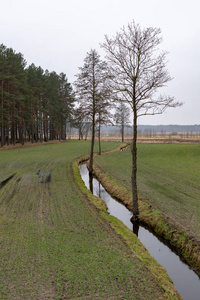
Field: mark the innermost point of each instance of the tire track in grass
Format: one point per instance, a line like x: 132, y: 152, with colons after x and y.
x: 26, y: 220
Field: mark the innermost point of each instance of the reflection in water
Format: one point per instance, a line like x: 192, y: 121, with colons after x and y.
x: 185, y: 280
x: 136, y: 228
x: 91, y: 182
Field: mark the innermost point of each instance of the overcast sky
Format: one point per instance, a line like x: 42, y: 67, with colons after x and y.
x: 56, y: 35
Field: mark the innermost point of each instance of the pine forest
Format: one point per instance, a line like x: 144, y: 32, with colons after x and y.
x: 35, y: 105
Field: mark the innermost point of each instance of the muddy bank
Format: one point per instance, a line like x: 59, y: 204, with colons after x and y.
x: 185, y: 245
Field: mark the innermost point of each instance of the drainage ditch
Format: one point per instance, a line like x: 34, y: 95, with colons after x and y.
x: 185, y: 279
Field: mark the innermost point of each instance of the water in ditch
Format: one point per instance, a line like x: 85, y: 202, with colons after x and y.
x: 185, y: 280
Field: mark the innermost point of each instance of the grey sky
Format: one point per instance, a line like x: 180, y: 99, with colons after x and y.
x: 57, y: 34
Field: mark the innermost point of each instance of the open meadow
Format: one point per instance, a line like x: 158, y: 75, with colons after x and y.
x: 54, y: 244
x: 168, y: 180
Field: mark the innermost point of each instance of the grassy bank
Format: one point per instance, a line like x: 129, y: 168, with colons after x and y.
x: 54, y: 242
x: 168, y: 183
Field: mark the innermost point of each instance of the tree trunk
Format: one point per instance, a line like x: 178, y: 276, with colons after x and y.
x: 93, y: 124
x: 2, y: 116
x: 122, y: 132
x: 14, y: 126
x: 99, y: 138
x: 92, y: 146
x: 23, y: 132
x: 47, y: 128
x: 32, y: 123
x: 40, y: 121
x: 134, y: 169
x: 37, y: 127
x: 7, y: 135
x: 60, y: 130
x: 91, y: 182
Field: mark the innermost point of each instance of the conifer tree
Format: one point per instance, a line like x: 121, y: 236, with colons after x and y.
x: 33, y: 103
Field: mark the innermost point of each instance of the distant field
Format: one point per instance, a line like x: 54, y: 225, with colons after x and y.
x: 53, y: 243
x: 168, y: 178
x: 149, y: 138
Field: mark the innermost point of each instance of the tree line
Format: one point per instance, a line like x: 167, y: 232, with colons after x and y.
x: 35, y: 104
x: 38, y: 105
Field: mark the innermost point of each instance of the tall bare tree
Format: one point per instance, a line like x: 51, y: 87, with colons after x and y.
x: 138, y: 70
x: 90, y: 88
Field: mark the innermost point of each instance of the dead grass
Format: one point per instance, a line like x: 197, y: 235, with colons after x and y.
x: 155, y: 139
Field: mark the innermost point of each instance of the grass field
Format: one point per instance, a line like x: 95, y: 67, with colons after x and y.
x: 168, y: 179
x: 54, y: 244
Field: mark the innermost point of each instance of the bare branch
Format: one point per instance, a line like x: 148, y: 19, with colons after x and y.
x: 137, y: 69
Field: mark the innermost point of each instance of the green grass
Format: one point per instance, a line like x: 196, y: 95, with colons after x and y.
x: 54, y: 244
x: 168, y: 179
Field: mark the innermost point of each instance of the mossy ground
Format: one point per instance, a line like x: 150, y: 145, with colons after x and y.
x: 54, y: 243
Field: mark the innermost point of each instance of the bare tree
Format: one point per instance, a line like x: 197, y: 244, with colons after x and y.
x: 138, y: 70
x: 104, y: 114
x: 82, y: 122
x: 90, y: 88
x: 122, y: 116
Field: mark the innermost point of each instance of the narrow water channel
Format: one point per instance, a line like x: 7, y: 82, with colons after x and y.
x: 185, y: 280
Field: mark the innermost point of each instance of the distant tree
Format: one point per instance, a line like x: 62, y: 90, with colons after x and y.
x: 67, y: 100
x: 54, y: 105
x: 78, y: 121
x: 2, y: 81
x: 104, y: 106
x: 138, y: 70
x: 90, y: 85
x: 122, y: 117
x: 36, y: 82
x: 81, y: 122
